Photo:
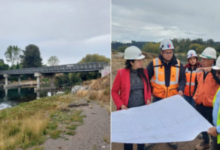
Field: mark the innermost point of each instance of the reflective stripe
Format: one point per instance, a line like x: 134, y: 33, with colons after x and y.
x: 157, y: 73
x: 188, y: 71
x: 188, y: 83
x: 158, y: 82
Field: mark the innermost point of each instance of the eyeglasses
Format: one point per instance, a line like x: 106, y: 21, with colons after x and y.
x: 168, y: 53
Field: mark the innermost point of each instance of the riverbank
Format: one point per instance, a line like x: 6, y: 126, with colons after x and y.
x: 32, y: 123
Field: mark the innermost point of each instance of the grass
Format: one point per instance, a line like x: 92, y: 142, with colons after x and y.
x: 27, y: 124
x: 70, y: 132
x: 99, y: 90
x: 106, y: 140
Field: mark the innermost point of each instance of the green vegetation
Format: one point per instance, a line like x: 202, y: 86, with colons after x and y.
x: 28, y: 124
x: 181, y: 45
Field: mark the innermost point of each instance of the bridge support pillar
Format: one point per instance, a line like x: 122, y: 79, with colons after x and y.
x: 19, y: 80
x: 6, y: 92
x: 19, y: 91
x: 38, y: 75
x: 38, y: 95
x: 6, y: 79
x: 105, y: 71
x: 52, y: 81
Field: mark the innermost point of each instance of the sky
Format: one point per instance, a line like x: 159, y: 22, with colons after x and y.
x: 68, y: 29
x: 155, y: 20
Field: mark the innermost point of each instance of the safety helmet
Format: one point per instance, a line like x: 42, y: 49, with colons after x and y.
x: 132, y: 53
x: 217, y: 66
x: 209, y: 53
x: 166, y: 44
x: 191, y: 53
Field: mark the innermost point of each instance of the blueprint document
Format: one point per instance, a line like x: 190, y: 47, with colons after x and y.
x: 169, y: 120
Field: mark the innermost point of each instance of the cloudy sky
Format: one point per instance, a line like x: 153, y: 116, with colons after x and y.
x: 68, y: 29
x: 154, y: 20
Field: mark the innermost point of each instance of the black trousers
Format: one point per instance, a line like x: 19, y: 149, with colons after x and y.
x: 130, y: 146
x: 215, y: 145
x: 206, y: 112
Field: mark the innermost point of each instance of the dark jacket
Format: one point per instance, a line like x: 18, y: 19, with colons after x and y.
x: 173, y: 62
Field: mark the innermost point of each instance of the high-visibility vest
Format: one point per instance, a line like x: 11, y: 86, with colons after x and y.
x: 160, y: 90
x: 205, y: 90
x: 218, y: 117
x: 190, y: 82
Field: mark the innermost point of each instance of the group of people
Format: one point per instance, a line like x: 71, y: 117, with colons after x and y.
x: 165, y: 76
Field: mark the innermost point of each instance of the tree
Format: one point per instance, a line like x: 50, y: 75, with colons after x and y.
x: 31, y: 57
x: 75, y: 78
x: 12, y: 54
x: 197, y: 47
x: 122, y: 48
x: 3, y: 66
x: 152, y: 47
x: 53, y: 61
x: 94, y: 58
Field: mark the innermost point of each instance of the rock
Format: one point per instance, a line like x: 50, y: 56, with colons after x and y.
x: 79, y: 103
x: 76, y: 88
x: 65, y: 110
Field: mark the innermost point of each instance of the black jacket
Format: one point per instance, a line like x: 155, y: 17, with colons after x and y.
x: 173, y: 62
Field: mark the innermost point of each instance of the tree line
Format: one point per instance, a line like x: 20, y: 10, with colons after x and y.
x: 180, y: 45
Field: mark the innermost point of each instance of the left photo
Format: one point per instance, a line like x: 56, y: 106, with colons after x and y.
x: 55, y: 75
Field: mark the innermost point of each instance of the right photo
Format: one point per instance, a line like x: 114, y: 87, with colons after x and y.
x: 165, y: 75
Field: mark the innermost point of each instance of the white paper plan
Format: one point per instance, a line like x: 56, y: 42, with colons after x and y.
x: 169, y: 120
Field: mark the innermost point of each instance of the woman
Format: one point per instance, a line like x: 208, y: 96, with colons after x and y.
x: 131, y: 86
x: 191, y: 69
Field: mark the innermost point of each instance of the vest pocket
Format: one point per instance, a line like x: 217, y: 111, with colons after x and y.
x: 159, y: 92
x: 172, y: 92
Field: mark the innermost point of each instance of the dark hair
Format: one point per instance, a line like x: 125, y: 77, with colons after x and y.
x: 140, y: 71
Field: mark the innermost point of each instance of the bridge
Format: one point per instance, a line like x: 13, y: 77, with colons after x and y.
x: 102, y: 67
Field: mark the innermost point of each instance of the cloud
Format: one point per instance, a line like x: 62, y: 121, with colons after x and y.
x: 57, y: 27
x: 153, y: 20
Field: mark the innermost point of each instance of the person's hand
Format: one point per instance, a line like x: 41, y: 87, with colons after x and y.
x: 123, y: 107
x: 180, y: 93
x: 213, y: 132
x: 148, y: 102
x: 206, y: 69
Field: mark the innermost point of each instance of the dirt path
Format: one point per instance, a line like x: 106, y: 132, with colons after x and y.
x: 94, y: 134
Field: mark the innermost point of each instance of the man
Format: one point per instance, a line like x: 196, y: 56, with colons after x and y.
x: 206, y: 85
x: 215, y: 131
x: 167, y: 76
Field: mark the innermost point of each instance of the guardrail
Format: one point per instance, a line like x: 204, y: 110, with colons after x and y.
x: 82, y: 67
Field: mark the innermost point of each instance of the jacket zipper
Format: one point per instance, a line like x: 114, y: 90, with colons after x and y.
x: 190, y: 83
x: 167, y: 93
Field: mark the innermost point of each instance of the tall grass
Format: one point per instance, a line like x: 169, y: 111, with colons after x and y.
x: 27, y: 124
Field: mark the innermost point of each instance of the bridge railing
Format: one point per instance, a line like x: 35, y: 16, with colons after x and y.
x: 93, y: 66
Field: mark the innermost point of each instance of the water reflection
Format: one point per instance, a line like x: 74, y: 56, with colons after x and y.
x: 13, y: 97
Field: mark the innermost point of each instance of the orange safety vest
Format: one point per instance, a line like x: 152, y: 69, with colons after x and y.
x: 190, y: 82
x: 160, y: 90
x: 206, y: 89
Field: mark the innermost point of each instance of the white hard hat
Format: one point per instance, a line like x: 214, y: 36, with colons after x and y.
x: 132, y: 53
x: 217, y: 66
x: 209, y: 53
x: 166, y: 44
x: 191, y: 53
